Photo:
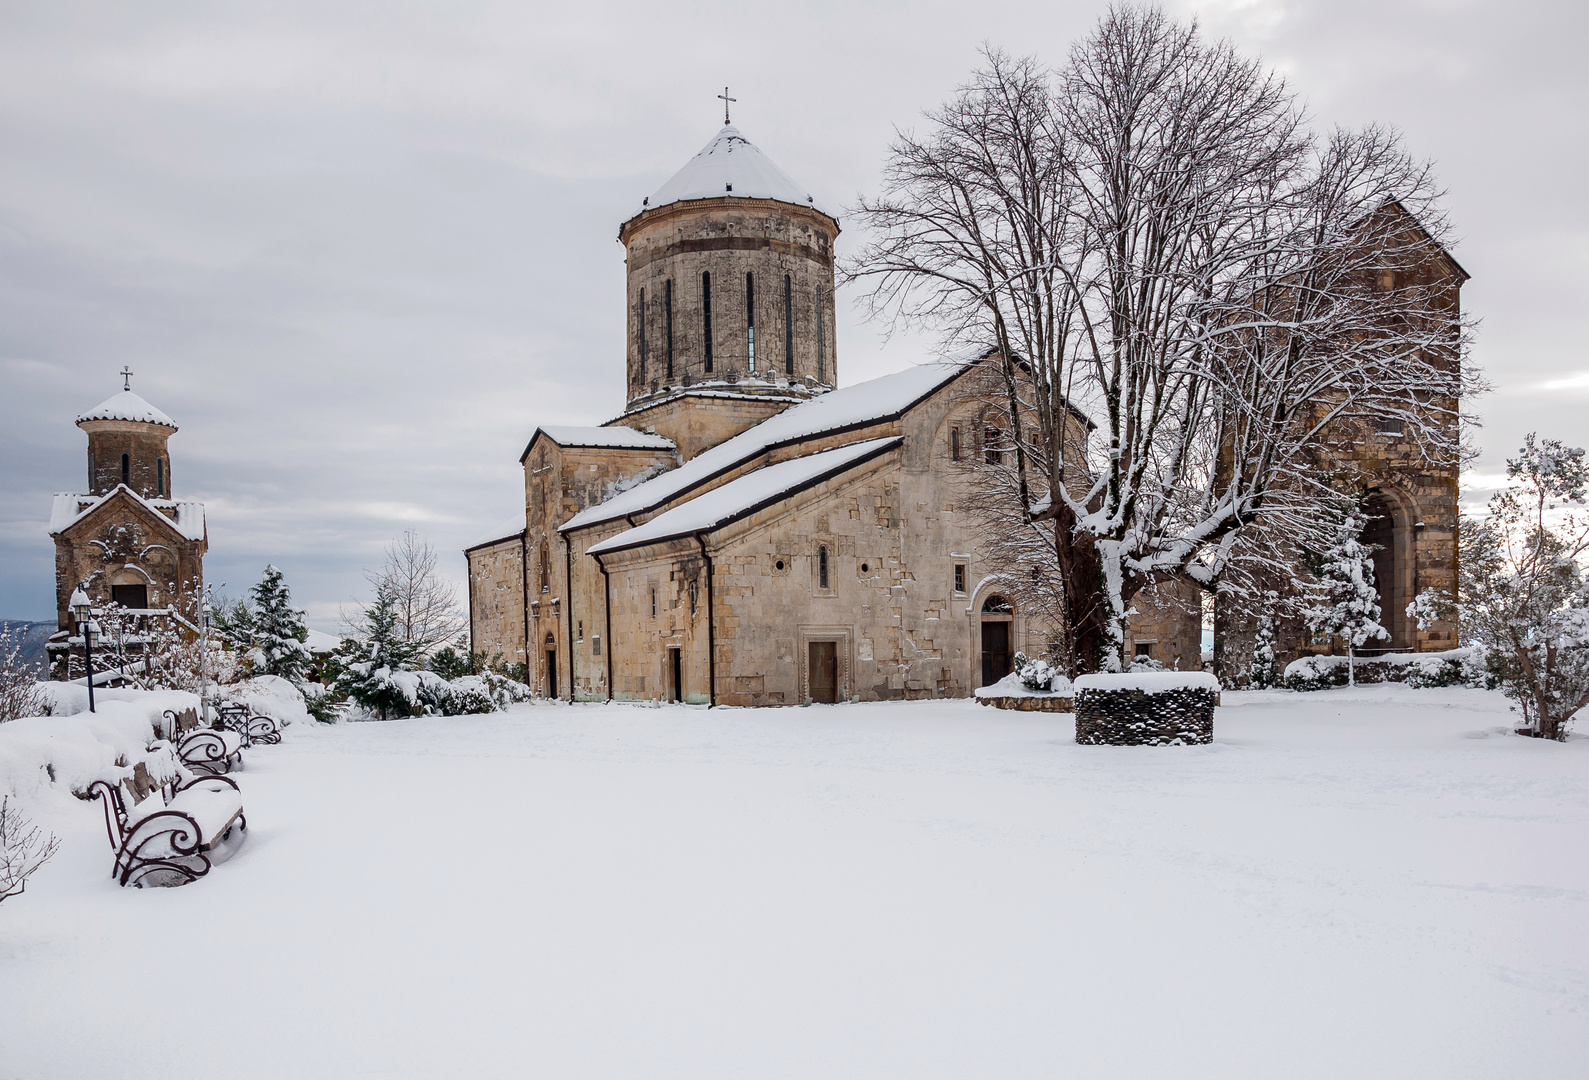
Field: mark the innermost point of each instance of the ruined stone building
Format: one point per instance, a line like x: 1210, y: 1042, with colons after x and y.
x: 126, y: 541
x: 743, y: 532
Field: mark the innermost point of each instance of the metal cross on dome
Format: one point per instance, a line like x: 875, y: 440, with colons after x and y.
x: 126, y: 377
x: 725, y: 100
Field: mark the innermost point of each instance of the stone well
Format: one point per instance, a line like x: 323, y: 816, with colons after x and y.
x: 1161, y: 708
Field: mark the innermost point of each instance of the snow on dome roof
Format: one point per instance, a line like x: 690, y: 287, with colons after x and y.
x: 730, y: 165
x: 126, y: 405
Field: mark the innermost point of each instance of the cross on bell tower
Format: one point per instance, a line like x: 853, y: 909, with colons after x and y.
x: 126, y: 377
x: 725, y: 99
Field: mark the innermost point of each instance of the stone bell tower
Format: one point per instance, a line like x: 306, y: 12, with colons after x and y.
x: 730, y: 297
x: 127, y: 445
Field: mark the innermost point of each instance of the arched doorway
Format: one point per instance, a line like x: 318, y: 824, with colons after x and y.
x: 998, y: 622
x: 1386, y: 534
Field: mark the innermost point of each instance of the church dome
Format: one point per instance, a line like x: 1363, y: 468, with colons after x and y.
x: 730, y: 166
x: 126, y: 405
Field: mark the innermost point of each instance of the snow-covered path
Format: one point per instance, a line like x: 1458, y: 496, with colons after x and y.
x: 1369, y: 883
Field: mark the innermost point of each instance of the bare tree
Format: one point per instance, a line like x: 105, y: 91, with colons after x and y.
x: 23, y: 849
x: 19, y: 680
x: 425, y: 604
x: 1154, y: 239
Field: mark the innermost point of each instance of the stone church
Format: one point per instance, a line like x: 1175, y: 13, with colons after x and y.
x: 744, y: 533
x: 127, y: 540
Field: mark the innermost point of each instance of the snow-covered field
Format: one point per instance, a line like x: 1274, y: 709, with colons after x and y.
x: 1360, y: 883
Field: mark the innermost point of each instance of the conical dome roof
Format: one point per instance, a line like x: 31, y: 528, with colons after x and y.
x: 730, y: 166
x: 126, y: 405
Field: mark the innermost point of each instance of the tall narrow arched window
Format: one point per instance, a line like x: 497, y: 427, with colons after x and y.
x: 993, y: 446
x: 788, y: 326
x: 546, y: 568
x: 126, y: 470
x: 160, y: 477
x: 90, y: 470
x: 822, y: 567
x: 642, y: 335
x: 822, y: 352
x: 668, y: 304
x: 750, y: 319
x: 706, y: 314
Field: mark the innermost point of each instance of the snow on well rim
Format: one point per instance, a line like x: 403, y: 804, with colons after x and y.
x: 1151, y: 681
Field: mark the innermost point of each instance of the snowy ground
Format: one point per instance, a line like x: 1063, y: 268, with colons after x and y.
x: 1368, y: 883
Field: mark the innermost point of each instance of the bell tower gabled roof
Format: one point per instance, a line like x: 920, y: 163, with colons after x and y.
x: 730, y: 166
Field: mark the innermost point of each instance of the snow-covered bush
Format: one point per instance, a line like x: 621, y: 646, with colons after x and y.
x: 1457, y: 667
x: 1036, y: 673
x: 320, y: 702
x: 273, y: 696
x: 1523, y: 592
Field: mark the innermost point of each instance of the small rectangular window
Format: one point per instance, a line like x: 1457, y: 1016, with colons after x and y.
x: 595, y: 644
x: 579, y: 634
x: 653, y: 603
x: 1144, y: 649
x: 960, y: 578
x: 1389, y: 425
x: 822, y: 568
x: 954, y: 444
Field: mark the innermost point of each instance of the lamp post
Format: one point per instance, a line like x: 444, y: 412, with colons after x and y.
x: 83, y: 612
x: 206, y: 613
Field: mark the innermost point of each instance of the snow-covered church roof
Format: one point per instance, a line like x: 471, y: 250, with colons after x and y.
x: 852, y: 407
x: 126, y: 405
x: 749, y: 493
x: 186, y: 517
x: 730, y: 166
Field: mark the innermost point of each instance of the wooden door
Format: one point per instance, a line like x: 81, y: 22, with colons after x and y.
x: 676, y: 691
x: 995, y: 650
x: 823, y: 672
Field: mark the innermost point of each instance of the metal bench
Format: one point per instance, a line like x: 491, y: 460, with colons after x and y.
x: 251, y: 726
x: 203, y: 749
x: 170, y: 833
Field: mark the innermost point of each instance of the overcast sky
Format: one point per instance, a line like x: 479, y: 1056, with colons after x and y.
x: 358, y: 251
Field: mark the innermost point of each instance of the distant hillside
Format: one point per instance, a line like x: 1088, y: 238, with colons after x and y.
x: 35, y: 634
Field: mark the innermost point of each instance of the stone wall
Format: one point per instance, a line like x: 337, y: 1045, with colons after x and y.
x: 1176, y: 717
x: 496, y: 599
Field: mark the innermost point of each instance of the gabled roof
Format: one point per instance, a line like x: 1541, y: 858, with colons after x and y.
x: 127, y: 405
x: 600, y: 438
x: 873, y: 402
x: 730, y: 166
x: 67, y: 510
x: 745, y: 495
